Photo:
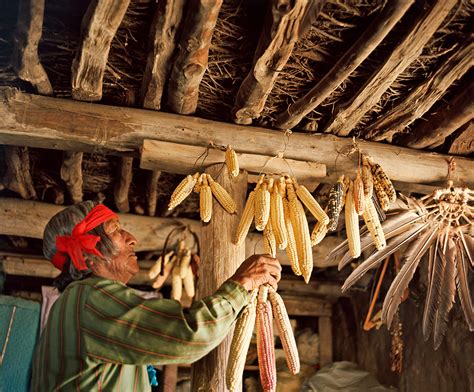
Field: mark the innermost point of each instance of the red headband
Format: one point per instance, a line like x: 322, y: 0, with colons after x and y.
x: 78, y: 242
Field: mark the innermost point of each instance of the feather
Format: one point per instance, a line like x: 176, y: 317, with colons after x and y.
x: 427, y: 316
x: 380, y: 212
x: 448, y: 292
x: 468, y: 243
x: 463, y: 287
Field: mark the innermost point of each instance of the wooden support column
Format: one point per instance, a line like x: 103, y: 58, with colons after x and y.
x: 219, y: 260
x: 348, y: 115
x: 170, y: 378
x: 17, y: 177
x: 152, y: 191
x: 325, y: 340
x: 122, y: 186
x: 25, y: 60
x: 71, y: 174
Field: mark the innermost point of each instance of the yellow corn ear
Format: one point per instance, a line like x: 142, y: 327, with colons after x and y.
x: 161, y: 279
x: 286, y: 333
x: 246, y: 219
x: 358, y: 193
x: 367, y: 178
x: 269, y: 242
x: 265, y: 342
x: 205, y: 201
x: 352, y: 223
x: 302, y: 236
x: 372, y: 221
x: 184, y: 264
x: 262, y: 206
x: 277, y: 216
x: 176, y: 284
x: 188, y: 282
x: 222, y: 195
x: 155, y: 269
x: 231, y: 161
x: 240, y: 344
x: 311, y: 204
x: 291, y: 249
x: 335, y: 203
x: 319, y: 232
x: 183, y: 190
x: 197, y: 185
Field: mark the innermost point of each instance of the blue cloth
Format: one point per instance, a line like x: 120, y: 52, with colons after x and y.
x: 152, y: 375
x: 24, y: 316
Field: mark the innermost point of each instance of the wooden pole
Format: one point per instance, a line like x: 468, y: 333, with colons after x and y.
x: 220, y: 258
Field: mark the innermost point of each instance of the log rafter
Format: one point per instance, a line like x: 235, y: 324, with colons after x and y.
x: 71, y: 174
x: 348, y: 114
x: 152, y: 191
x: 356, y: 54
x: 17, y: 177
x: 122, y: 186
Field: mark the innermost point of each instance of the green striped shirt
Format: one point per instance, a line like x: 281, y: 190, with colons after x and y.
x: 101, y: 334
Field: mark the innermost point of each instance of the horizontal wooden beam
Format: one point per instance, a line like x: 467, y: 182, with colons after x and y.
x: 187, y: 159
x: 37, y: 121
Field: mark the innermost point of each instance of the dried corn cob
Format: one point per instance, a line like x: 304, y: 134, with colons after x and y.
x: 367, y: 177
x: 352, y: 223
x: 197, y: 186
x: 246, y: 219
x: 302, y: 236
x: 265, y: 342
x: 184, y: 263
x: 308, y: 200
x: 188, y: 282
x: 231, y: 161
x: 269, y: 242
x: 335, y: 203
x: 176, y: 284
x: 222, y: 195
x: 277, y: 216
x: 319, y: 232
x: 379, y: 174
x: 156, y: 268
x: 160, y: 280
x: 205, y: 201
x: 291, y: 249
x: 372, y: 221
x: 358, y: 192
x: 262, y: 205
x: 286, y: 333
x: 240, y: 344
x: 183, y: 190
x: 381, y: 194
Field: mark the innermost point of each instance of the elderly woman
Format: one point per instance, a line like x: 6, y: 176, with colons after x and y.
x: 100, y: 334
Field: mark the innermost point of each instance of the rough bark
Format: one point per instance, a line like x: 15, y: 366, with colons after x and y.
x: 99, y: 25
x: 464, y: 143
x: 191, y: 61
x: 122, y: 186
x: 285, y: 24
x: 71, y: 174
x: 356, y: 54
x: 17, y: 177
x: 152, y: 191
x: 348, y: 115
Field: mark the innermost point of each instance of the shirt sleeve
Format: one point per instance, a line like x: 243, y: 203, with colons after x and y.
x: 120, y: 326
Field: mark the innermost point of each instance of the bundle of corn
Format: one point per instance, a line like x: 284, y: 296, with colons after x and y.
x: 205, y: 185
x: 178, y: 264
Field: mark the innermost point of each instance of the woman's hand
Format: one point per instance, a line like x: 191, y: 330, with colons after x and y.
x: 258, y: 270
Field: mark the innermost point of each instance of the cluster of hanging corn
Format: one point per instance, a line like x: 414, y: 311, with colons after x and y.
x: 265, y: 302
x: 180, y: 264
x: 277, y: 208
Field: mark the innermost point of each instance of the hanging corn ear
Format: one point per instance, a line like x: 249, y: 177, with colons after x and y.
x: 245, y: 220
x: 156, y: 268
x: 291, y: 249
x: 335, y: 203
x: 231, y: 161
x: 197, y: 186
x: 302, y: 236
x: 269, y: 242
x: 240, y: 344
x: 184, y: 264
x: 286, y: 333
x: 161, y: 279
x: 372, y: 221
x: 265, y: 342
x: 262, y: 206
x: 205, y: 201
x: 379, y: 175
x: 311, y: 204
x: 188, y: 282
x: 277, y: 216
x: 222, y: 195
x: 358, y: 191
x: 381, y: 195
x: 176, y: 284
x: 319, y: 232
x: 352, y: 223
x: 183, y: 190
x: 367, y: 178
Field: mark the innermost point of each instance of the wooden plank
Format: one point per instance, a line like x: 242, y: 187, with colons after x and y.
x: 99, y: 25
x: 284, y: 24
x: 71, y: 174
x: 122, y: 185
x: 219, y: 260
x: 164, y: 29
x: 443, y: 122
x: 310, y: 306
x: 464, y: 143
x: 325, y: 340
x: 425, y: 95
x: 187, y: 159
x: 152, y: 191
x: 355, y: 55
x: 79, y: 126
x: 348, y: 115
x: 191, y: 60
x: 25, y: 59
x: 17, y: 176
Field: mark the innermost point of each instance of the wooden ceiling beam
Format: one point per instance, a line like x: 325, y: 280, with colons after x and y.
x: 356, y: 54
x: 17, y: 176
x: 71, y: 174
x: 423, y: 97
x: 191, y: 60
x: 38, y: 121
x: 285, y: 23
x: 348, y: 114
x: 99, y: 25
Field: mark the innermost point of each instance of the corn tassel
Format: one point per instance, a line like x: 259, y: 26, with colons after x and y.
x: 311, y: 204
x: 291, y: 249
x: 183, y: 190
x: 205, y: 201
x: 319, y: 232
x: 335, y: 203
x: 265, y: 342
x: 222, y: 196
x: 358, y: 192
x: 277, y: 216
x: 188, y: 282
x: 231, y: 161
x: 352, y: 223
x: 262, y: 206
x: 286, y: 333
x: 372, y: 221
x: 269, y: 241
x: 245, y: 220
x: 240, y: 344
x: 367, y: 178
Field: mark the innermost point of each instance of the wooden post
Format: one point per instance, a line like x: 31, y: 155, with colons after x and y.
x: 325, y: 340
x: 219, y: 259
